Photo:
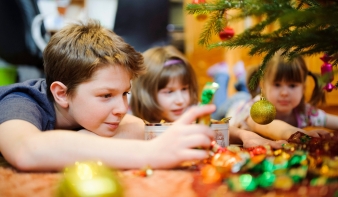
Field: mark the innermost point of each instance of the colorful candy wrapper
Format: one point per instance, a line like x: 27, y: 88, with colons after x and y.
x: 207, y: 95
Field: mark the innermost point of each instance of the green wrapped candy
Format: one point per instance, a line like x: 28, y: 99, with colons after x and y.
x: 248, y: 182
x: 298, y: 174
x: 297, y: 158
x: 244, y: 182
x: 266, y: 179
x: 207, y: 94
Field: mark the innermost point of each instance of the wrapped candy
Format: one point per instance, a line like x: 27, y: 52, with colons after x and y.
x: 302, y: 163
x: 228, y: 162
x: 208, y: 92
x: 244, y: 182
x: 210, y: 174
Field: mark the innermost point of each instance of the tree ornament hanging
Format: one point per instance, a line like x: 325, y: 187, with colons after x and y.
x: 263, y: 112
x: 198, y: 1
x: 199, y: 17
x: 227, y: 33
x: 327, y: 72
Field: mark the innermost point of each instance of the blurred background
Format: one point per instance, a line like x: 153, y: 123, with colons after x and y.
x: 27, y: 25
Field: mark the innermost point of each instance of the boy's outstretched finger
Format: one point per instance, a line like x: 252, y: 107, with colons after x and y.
x: 195, y: 112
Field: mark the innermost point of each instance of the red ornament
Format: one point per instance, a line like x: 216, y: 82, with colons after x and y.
x: 227, y: 33
x: 326, y: 69
x: 198, y: 1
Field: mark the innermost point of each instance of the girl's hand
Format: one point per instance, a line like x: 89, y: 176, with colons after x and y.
x: 178, y: 144
x: 316, y: 132
x: 251, y: 139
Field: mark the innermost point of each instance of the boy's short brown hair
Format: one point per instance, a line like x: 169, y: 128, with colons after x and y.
x: 75, y: 52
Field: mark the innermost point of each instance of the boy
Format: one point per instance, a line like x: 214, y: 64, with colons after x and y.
x: 88, y: 70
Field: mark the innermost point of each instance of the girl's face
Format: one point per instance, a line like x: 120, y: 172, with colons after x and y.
x: 100, y: 104
x: 174, y: 99
x: 285, y: 96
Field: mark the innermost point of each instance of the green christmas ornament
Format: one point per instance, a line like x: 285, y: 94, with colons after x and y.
x: 263, y: 112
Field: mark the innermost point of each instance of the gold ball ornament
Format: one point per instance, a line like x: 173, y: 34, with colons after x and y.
x: 89, y: 179
x: 263, y: 112
x: 200, y: 17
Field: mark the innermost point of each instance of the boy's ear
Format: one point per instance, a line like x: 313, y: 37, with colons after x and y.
x: 59, y: 91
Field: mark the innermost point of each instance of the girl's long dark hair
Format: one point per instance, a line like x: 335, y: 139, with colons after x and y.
x: 279, y: 68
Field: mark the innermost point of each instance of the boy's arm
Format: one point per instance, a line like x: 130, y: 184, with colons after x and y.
x: 131, y: 127
x: 27, y: 148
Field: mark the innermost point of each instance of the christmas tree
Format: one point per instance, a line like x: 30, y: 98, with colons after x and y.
x: 301, y: 27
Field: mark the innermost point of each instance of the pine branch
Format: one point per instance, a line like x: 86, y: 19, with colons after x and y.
x: 214, y: 26
x: 306, y: 27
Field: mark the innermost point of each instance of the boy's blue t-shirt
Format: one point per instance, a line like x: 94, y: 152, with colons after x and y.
x: 28, y: 101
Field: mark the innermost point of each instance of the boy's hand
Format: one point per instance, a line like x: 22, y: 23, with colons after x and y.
x: 176, y: 144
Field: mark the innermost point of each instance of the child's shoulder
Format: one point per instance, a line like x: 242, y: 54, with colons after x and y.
x: 37, y: 84
x: 311, y: 116
x: 311, y: 110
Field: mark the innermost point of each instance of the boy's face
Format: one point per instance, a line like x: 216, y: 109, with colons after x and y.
x: 174, y: 99
x: 100, y: 104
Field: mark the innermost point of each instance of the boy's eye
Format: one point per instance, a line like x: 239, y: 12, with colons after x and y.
x: 126, y: 93
x: 106, y: 95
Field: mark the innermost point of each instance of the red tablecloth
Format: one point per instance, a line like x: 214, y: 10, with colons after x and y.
x: 163, y: 183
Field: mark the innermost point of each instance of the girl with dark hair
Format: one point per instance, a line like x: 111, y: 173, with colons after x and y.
x: 283, y: 84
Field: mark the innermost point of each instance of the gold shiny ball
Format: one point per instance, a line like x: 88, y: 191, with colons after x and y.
x: 263, y: 112
x: 89, y: 179
x: 200, y: 17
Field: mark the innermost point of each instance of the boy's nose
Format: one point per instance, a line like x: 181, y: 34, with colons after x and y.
x: 120, y: 107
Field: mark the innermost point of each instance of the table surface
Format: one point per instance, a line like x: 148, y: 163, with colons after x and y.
x: 162, y: 183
